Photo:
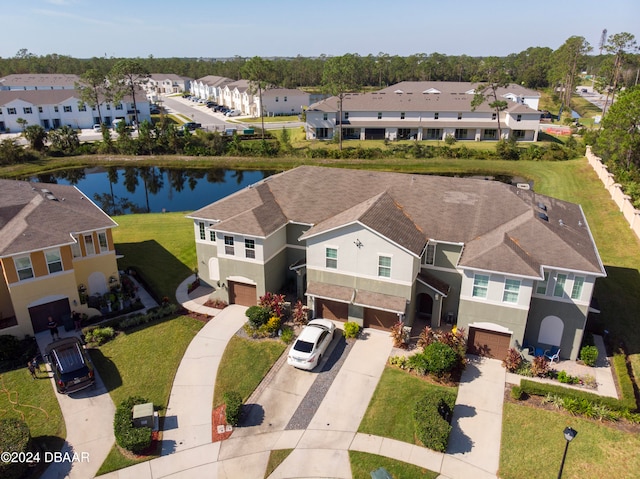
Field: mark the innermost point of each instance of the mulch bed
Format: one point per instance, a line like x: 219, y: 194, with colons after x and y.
x: 199, y: 317
x: 218, y: 418
x: 538, y: 403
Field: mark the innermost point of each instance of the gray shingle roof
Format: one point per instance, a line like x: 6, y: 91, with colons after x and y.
x: 39, y: 79
x: 497, y: 223
x: 32, y: 219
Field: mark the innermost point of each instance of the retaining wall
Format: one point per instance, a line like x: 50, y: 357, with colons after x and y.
x: 623, y: 201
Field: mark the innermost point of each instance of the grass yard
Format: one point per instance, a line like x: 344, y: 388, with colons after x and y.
x: 143, y: 362
x: 275, y: 459
x: 362, y: 464
x: 35, y: 402
x: 243, y: 365
x: 401, y: 389
x: 160, y: 245
x: 584, y: 107
x: 533, y: 443
x: 270, y: 119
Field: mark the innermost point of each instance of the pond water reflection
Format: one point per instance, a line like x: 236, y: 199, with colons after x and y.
x: 150, y: 189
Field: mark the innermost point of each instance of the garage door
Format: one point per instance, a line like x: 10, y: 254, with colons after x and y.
x: 491, y: 344
x: 332, y: 310
x: 242, y: 294
x: 58, y: 310
x: 374, y: 134
x: 378, y: 319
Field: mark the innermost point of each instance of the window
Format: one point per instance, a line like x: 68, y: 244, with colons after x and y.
x: 11, y: 111
x: 480, y: 286
x: 82, y: 107
x: 518, y: 134
x: 102, y: 241
x: 331, y: 258
x: 108, y: 106
x: 379, y: 115
x: 493, y: 116
x: 212, y: 235
x: 576, y: 291
x: 40, y: 110
x: 23, y: 267
x: 434, y: 133
x: 325, y: 117
x: 67, y: 108
x: 0, y: 111
x: 402, y: 115
x: 511, y: 289
x: 277, y: 100
x: 285, y: 98
x: 75, y: 249
x: 384, y: 266
x: 558, y: 291
x: 436, y: 115
x: 119, y: 106
x: 88, y: 244
x: 519, y: 118
x: 459, y: 116
x: 201, y: 227
x: 461, y: 133
x: 54, y: 261
x: 27, y: 110
x: 346, y: 115
x: 541, y: 286
x: 491, y: 134
x: 250, y: 248
x: 56, y: 109
x: 228, y: 245
x: 430, y: 254
x: 322, y: 132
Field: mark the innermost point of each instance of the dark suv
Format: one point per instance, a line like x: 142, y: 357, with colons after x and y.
x: 71, y: 365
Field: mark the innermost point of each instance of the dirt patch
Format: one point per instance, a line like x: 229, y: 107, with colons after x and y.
x: 218, y: 418
x: 538, y: 403
x: 200, y: 317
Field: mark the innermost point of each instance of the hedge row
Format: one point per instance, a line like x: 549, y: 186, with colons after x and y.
x: 432, y: 418
x: 14, y: 437
x: 134, y: 439
x: 542, y: 389
x: 135, y: 319
x: 624, y: 380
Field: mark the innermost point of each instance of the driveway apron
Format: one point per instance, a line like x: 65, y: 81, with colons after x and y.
x: 187, y: 422
x: 474, y: 443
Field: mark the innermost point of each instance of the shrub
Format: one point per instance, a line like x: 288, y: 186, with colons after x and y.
x: 427, y: 336
x: 517, y: 393
x: 450, y: 140
x: 539, y: 366
x: 565, y: 378
x: 258, y: 315
x: 440, y: 358
x: 540, y: 389
x: 432, y: 416
x: 589, y: 355
x: 399, y: 361
x: 273, y: 325
x: 513, y: 360
x: 300, y: 313
x: 14, y: 437
x: 351, y: 329
x: 233, y: 403
x: 272, y: 302
x: 10, y: 347
x: 398, y: 335
x: 99, y: 335
x: 455, y: 339
x: 624, y: 380
x: 287, y: 335
x: 134, y: 439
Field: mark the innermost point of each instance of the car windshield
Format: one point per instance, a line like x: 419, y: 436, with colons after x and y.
x: 303, y: 346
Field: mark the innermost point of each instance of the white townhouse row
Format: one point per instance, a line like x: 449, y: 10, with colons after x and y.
x: 165, y: 84
x: 426, y: 111
x: 39, y: 81
x: 52, y: 109
x: 239, y: 95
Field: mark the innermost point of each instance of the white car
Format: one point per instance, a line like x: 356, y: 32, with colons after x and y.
x: 97, y: 128
x: 233, y: 113
x: 315, y: 338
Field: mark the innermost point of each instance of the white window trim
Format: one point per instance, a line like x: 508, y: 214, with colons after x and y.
x: 57, y: 251
x: 564, y: 285
x: 579, y: 297
x: 546, y: 285
x: 15, y: 263
x: 517, y: 293
x: 380, y: 256
x: 426, y: 255
x: 326, y: 257
x: 106, y: 239
x: 473, y: 286
x: 229, y: 247
x: 86, y: 249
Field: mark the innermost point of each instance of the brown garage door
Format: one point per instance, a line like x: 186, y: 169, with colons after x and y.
x: 58, y: 310
x: 491, y: 344
x: 242, y: 294
x: 332, y: 310
x: 378, y: 319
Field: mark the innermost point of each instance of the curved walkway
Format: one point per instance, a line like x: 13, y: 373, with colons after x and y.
x: 321, y: 450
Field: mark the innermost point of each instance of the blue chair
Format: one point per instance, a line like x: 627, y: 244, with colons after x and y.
x: 553, y: 354
x: 528, y: 347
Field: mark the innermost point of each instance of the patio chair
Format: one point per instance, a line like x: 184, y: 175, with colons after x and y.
x: 553, y: 354
x: 529, y: 348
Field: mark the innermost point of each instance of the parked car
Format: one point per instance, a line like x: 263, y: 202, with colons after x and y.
x: 154, y: 110
x: 233, y: 113
x: 190, y: 125
x: 71, y: 365
x: 315, y: 338
x: 97, y: 128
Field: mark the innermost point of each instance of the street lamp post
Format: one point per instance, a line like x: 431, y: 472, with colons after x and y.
x: 569, y: 435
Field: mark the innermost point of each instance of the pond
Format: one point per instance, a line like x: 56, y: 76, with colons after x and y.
x: 150, y: 189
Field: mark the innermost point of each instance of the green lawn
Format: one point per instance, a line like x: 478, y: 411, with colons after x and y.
x: 160, y: 245
x: 271, y: 119
x: 533, y: 443
x: 143, y: 362
x: 402, y: 390
x: 243, y: 365
x: 275, y: 459
x: 362, y: 464
x: 35, y: 402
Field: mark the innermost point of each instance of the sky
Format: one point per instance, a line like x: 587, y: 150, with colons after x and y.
x: 226, y: 28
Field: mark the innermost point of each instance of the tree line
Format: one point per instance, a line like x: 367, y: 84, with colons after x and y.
x: 535, y: 67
